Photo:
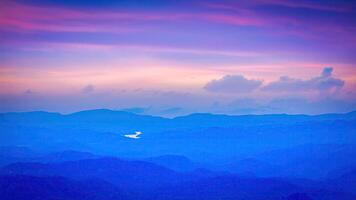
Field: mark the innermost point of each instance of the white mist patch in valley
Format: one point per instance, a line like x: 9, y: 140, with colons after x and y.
x: 134, y: 136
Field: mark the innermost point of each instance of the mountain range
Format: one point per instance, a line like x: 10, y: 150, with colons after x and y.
x: 85, y: 155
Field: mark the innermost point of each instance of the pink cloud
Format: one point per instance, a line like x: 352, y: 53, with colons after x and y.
x: 303, y: 4
x: 19, y: 17
x: 244, y: 4
x: 314, y: 28
x: 15, y: 16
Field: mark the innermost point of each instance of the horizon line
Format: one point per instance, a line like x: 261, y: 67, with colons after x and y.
x: 178, y: 116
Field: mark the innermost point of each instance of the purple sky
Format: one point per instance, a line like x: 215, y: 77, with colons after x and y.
x: 176, y: 57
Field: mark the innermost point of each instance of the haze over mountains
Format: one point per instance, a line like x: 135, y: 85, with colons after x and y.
x: 189, y: 157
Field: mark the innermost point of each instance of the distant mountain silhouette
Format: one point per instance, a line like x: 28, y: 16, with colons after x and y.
x: 346, y: 182
x: 310, y: 160
x: 229, y: 187
x: 110, y: 120
x: 59, y: 188
x: 228, y: 155
x: 238, y: 188
x: 16, y: 151
x: 204, y: 138
x: 251, y: 167
x: 175, y: 162
x: 126, y: 174
x: 111, y: 178
x: 298, y: 196
x: 63, y: 156
x: 11, y: 154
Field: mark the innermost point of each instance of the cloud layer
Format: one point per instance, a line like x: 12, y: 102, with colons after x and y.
x: 88, y: 89
x: 325, y: 82
x: 163, y: 53
x: 233, y: 84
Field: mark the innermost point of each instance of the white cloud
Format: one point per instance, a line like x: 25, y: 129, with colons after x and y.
x: 134, y: 136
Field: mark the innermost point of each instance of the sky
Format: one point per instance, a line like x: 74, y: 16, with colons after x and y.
x: 170, y: 58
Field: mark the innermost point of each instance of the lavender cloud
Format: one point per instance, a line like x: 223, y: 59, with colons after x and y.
x: 325, y: 82
x: 88, y: 89
x: 233, y: 84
